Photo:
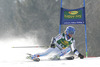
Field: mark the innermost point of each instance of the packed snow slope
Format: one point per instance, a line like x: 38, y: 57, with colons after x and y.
x: 16, y: 57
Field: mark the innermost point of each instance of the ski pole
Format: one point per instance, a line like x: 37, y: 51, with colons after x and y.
x: 30, y: 47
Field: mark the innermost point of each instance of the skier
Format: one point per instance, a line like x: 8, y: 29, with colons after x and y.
x: 63, y: 44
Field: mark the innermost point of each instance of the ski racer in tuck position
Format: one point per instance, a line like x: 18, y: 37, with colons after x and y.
x: 63, y: 44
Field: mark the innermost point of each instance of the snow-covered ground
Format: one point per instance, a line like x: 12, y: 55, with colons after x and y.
x: 16, y: 57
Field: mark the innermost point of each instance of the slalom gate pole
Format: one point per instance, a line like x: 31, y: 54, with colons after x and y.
x: 85, y: 32
x: 60, y: 18
x: 86, y: 41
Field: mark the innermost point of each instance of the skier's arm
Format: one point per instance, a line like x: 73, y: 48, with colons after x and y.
x: 54, y: 41
x: 75, y: 50
x: 58, y: 37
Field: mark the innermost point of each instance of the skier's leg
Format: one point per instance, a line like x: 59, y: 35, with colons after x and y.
x: 61, y: 53
x: 64, y: 51
x: 49, y: 50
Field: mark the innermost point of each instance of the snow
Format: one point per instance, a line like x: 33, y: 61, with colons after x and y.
x: 16, y: 57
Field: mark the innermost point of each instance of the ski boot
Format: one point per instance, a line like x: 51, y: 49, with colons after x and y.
x: 70, y: 58
x: 33, y: 57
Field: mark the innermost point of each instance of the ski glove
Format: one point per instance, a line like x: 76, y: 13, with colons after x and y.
x: 81, y: 56
x: 52, y: 45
